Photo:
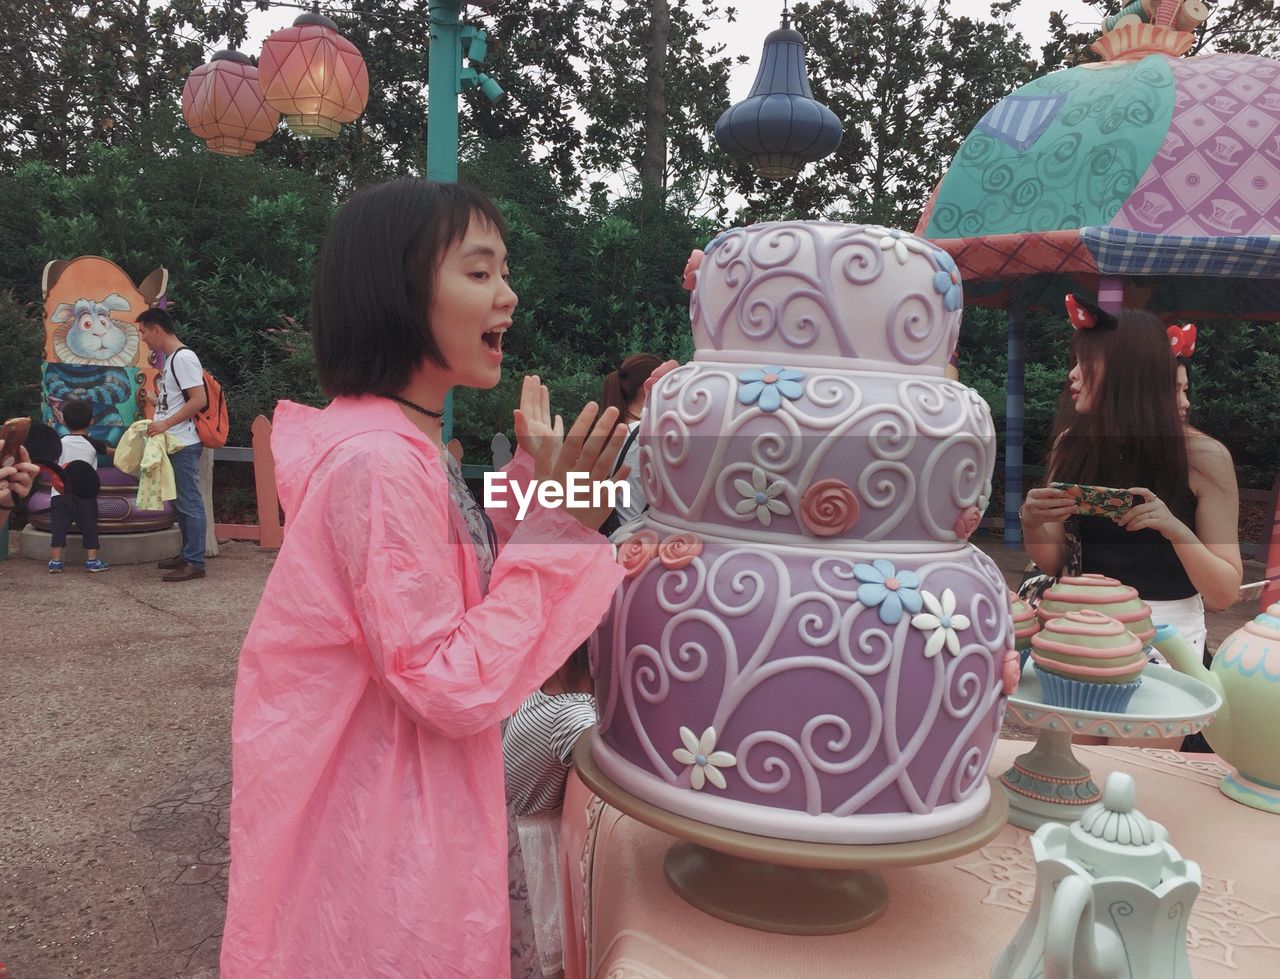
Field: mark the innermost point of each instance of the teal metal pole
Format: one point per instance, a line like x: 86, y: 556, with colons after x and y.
x: 444, y: 69
x: 444, y: 66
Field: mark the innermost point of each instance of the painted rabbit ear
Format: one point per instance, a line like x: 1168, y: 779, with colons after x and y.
x: 1082, y: 318
x: 1182, y: 340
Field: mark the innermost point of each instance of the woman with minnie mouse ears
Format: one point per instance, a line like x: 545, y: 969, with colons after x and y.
x: 1121, y: 423
x: 1182, y: 341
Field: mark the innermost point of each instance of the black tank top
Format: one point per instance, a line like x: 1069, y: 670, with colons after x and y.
x: 1143, y: 559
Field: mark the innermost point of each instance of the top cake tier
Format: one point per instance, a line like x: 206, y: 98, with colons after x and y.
x: 812, y: 289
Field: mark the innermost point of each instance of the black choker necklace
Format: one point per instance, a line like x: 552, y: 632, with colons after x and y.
x: 409, y: 404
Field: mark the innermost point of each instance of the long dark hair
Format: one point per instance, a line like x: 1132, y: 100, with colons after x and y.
x: 1131, y: 435
x: 622, y: 386
x: 376, y: 277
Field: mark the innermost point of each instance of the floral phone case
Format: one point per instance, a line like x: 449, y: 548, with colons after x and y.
x: 1097, y: 501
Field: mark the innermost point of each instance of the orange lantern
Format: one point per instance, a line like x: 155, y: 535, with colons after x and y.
x: 313, y: 76
x: 223, y: 105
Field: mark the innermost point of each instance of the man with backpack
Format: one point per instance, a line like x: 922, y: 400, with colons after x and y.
x: 181, y: 397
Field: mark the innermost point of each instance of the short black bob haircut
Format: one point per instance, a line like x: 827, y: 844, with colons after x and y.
x: 77, y: 415
x: 155, y: 316
x: 376, y: 277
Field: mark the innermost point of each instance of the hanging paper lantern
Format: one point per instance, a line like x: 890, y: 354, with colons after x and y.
x: 313, y: 76
x: 780, y: 126
x: 223, y: 105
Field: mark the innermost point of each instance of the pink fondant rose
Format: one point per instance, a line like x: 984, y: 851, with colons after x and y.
x: 691, y: 268
x: 679, y: 550
x: 828, y: 507
x: 635, y: 553
x: 967, y: 522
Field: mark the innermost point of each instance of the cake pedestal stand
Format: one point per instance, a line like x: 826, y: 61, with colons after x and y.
x: 1049, y: 783
x: 784, y: 886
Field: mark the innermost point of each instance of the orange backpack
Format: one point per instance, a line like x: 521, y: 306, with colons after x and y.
x: 212, y: 422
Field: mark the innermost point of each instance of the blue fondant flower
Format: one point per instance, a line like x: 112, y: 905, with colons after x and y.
x: 768, y: 386
x: 888, y: 589
x: 946, y: 281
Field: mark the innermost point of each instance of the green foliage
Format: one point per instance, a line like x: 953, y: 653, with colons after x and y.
x: 239, y: 238
x: 1235, y: 396
x: 22, y: 340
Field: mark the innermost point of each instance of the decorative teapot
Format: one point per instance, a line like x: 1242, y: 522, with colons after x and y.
x: 1246, y: 672
x: 1112, y: 898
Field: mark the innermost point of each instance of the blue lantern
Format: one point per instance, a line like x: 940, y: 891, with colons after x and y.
x: 780, y: 127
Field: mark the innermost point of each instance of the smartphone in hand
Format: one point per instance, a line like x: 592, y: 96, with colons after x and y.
x: 1097, y: 501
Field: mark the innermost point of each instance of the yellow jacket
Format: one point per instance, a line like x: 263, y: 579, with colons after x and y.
x: 147, y: 457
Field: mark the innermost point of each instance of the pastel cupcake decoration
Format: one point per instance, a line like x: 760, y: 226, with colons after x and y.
x: 829, y: 507
x: 1088, y: 661
x: 1100, y: 594
x: 1025, y: 625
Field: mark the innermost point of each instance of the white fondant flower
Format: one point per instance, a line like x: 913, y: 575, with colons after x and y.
x: 759, y: 496
x: 901, y: 246
x: 702, y: 755
x: 984, y: 498
x: 941, y: 622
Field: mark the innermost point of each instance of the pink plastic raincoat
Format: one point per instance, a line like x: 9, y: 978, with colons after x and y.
x: 368, y: 829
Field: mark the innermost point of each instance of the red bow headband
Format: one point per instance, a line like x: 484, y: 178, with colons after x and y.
x: 1084, y: 315
x: 1182, y: 340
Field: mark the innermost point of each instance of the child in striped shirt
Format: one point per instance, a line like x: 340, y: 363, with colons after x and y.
x: 537, y: 749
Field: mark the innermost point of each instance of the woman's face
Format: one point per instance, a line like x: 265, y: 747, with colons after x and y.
x: 1082, y: 387
x: 1184, y: 394
x: 472, y: 306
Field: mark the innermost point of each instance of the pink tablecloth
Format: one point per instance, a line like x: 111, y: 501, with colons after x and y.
x: 947, y: 919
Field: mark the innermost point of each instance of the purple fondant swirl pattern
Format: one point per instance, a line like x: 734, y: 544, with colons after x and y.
x: 826, y: 710
x: 806, y: 646
x: 815, y: 289
x: 916, y: 452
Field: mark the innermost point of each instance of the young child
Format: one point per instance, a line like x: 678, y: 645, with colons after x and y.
x: 537, y: 753
x: 67, y: 510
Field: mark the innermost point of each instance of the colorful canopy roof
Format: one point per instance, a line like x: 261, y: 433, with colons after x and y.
x: 1163, y: 170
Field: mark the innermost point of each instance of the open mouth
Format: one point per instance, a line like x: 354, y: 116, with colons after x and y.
x: 493, y: 340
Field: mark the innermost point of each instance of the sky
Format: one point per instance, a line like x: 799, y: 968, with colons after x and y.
x: 746, y: 35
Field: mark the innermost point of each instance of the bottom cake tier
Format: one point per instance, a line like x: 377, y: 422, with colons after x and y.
x: 829, y: 696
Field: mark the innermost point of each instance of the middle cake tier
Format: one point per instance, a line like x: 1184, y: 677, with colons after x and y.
x: 806, y: 454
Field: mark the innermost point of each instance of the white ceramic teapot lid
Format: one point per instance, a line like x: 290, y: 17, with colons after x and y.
x: 1113, y: 839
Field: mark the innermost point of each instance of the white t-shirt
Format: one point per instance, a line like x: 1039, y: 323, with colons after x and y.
x: 181, y: 371
x: 77, y: 448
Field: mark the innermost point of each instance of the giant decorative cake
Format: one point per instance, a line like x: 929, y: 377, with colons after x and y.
x: 806, y: 645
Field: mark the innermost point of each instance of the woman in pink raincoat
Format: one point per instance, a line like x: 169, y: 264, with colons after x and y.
x: 400, y: 625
